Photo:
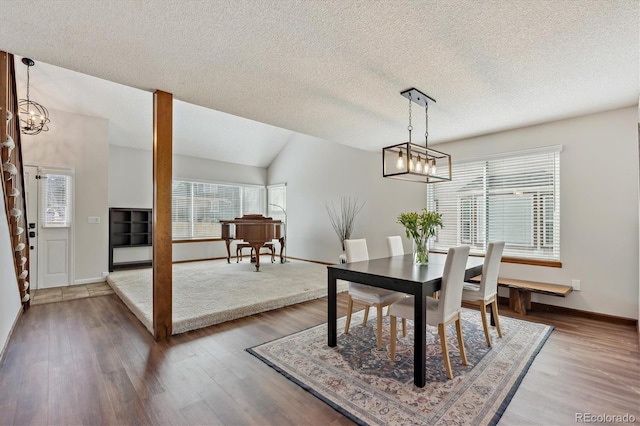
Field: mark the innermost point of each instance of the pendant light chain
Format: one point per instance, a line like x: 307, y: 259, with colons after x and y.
x: 426, y: 127
x: 410, y: 127
x: 28, y: 67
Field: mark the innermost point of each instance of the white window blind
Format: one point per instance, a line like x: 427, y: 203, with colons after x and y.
x: 198, y: 207
x: 253, y: 200
x: 56, y: 200
x: 515, y: 199
x: 277, y: 199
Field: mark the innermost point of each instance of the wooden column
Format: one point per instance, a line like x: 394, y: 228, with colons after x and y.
x: 162, y: 249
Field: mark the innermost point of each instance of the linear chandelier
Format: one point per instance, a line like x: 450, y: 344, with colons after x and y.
x: 34, y: 117
x: 413, y: 162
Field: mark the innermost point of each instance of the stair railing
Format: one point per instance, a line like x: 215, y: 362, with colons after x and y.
x: 13, y: 182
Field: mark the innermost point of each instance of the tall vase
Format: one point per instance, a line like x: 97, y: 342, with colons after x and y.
x: 421, y: 250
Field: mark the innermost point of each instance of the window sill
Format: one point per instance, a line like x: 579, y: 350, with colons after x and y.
x: 519, y: 261
x: 196, y: 240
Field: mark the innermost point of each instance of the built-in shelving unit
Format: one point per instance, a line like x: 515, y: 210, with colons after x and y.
x: 129, y: 227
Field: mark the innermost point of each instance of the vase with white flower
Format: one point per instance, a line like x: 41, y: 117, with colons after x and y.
x: 420, y: 228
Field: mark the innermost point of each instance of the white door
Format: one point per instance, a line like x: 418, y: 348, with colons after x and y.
x: 31, y: 186
x: 53, y: 221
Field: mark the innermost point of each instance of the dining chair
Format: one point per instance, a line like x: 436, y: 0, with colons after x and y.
x: 356, y: 251
x: 394, y: 244
x: 442, y: 311
x: 487, y: 292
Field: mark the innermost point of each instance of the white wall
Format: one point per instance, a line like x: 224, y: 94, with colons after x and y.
x: 131, y: 185
x: 9, y: 295
x: 599, y: 206
x: 81, y: 142
x: 318, y: 171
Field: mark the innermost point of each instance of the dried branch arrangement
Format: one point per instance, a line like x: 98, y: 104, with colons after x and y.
x: 343, y: 221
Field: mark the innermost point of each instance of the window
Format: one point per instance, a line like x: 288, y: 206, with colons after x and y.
x: 198, y: 207
x: 55, y: 198
x: 515, y: 199
x: 277, y: 201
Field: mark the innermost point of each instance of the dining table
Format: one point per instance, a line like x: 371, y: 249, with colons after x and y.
x: 398, y: 273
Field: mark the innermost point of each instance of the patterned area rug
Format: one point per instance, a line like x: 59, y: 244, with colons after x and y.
x: 362, y: 383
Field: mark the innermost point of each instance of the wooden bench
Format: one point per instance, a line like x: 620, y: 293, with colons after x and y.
x: 520, y: 291
x: 267, y: 245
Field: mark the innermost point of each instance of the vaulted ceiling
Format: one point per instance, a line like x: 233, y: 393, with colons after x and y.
x: 250, y: 73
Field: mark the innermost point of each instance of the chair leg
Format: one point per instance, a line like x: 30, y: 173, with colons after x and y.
x: 379, y: 326
x: 494, y: 309
x: 445, y: 350
x: 483, y: 313
x: 366, y: 315
x: 392, y: 347
x: 463, y: 352
x: 404, y: 327
x: 349, y: 310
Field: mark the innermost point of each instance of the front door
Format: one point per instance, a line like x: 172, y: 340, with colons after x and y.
x: 52, y: 248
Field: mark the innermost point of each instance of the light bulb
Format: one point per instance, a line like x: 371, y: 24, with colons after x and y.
x: 433, y: 167
x: 419, y: 165
x: 411, y: 164
x: 400, y: 162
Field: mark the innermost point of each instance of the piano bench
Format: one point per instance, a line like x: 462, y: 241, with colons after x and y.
x: 268, y: 245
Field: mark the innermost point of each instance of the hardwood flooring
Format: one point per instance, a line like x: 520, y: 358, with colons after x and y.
x: 91, y: 361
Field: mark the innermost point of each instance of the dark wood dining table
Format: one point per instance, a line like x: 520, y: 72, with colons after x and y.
x: 397, y: 273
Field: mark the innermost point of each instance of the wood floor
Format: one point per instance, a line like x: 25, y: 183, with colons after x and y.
x: 91, y: 361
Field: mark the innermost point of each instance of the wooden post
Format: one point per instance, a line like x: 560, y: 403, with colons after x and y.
x: 162, y: 249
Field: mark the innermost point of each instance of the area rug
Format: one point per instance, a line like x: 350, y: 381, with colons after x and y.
x: 361, y: 382
x: 211, y: 292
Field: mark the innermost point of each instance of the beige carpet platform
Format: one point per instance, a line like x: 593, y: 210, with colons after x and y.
x: 211, y: 292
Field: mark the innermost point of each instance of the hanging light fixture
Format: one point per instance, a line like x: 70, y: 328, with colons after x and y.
x: 34, y: 117
x: 412, y: 162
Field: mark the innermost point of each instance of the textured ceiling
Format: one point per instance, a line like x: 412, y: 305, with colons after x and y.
x: 331, y: 69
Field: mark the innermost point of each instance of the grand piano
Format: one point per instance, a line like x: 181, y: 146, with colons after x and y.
x: 255, y: 230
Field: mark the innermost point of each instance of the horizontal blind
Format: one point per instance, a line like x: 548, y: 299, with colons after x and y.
x: 513, y: 199
x: 253, y: 200
x: 56, y: 200
x: 181, y: 209
x: 198, y: 207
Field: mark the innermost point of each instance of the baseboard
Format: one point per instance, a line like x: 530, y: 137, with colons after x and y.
x: 312, y: 261
x: 13, y: 326
x: 202, y: 260
x: 543, y: 307
x: 90, y: 281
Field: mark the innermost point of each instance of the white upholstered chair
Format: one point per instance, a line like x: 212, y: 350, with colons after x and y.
x: 356, y: 251
x: 442, y: 311
x: 394, y: 244
x: 487, y: 292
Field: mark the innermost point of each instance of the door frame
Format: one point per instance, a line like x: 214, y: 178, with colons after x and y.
x: 45, y: 167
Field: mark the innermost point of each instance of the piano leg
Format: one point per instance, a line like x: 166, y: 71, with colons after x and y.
x: 282, y: 242
x: 256, y: 248
x: 228, y: 243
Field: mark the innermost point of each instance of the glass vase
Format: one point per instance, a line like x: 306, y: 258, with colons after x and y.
x: 421, y: 250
